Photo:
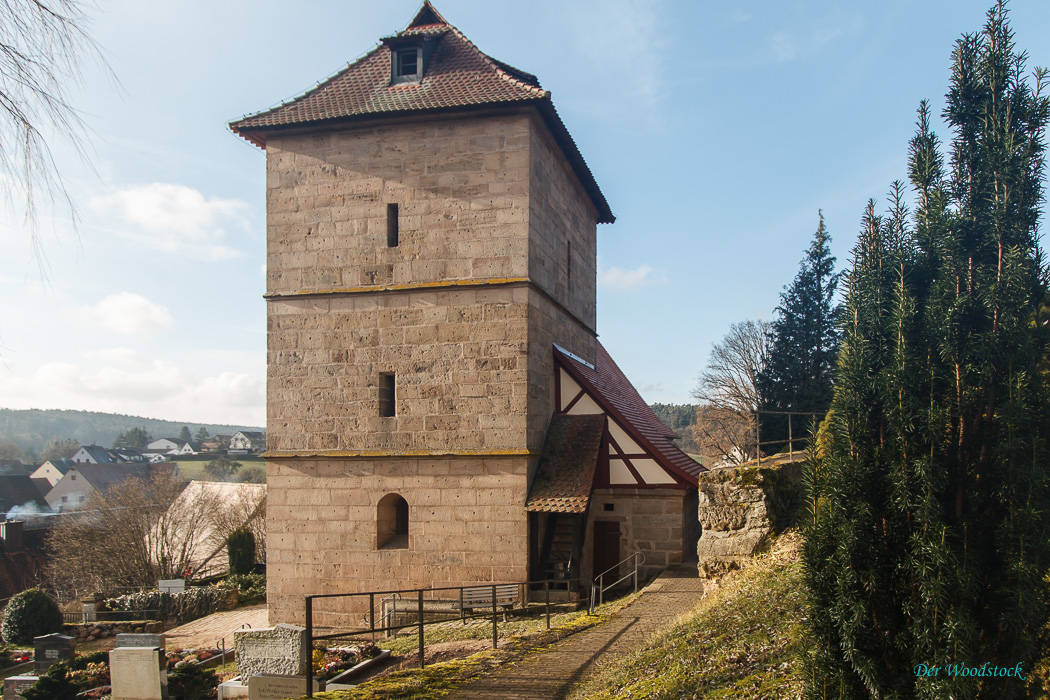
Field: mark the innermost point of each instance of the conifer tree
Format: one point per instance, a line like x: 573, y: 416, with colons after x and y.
x: 927, y: 538
x: 804, y: 343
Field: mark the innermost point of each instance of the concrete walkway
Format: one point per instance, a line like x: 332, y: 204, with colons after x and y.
x: 207, y: 631
x: 551, y: 674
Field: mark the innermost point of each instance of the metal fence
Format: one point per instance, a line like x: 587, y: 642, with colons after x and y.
x: 814, y: 420
x: 82, y: 618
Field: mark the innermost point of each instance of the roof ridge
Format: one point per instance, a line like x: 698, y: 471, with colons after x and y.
x: 494, y: 65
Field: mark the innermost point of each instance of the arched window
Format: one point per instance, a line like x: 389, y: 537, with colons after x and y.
x: 392, y: 522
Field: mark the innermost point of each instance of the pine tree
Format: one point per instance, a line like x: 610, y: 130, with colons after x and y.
x: 927, y: 540
x: 804, y: 344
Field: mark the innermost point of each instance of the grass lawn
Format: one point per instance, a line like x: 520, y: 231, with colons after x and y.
x: 742, y: 642
x: 194, y: 469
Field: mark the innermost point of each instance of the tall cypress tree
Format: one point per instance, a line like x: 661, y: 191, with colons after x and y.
x: 927, y: 540
x: 804, y: 344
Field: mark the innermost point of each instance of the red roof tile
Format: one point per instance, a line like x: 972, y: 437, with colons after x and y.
x: 611, y: 388
x: 458, y: 76
x: 565, y: 474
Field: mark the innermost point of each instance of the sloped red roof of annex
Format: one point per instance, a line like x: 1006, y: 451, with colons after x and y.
x: 623, y: 401
x: 458, y: 75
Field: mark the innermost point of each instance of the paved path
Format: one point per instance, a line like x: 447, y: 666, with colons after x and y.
x: 207, y: 631
x: 551, y: 674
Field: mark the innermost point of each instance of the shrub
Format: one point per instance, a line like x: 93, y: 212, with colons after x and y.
x: 192, y: 682
x: 182, y: 607
x: 251, y: 588
x: 30, y: 614
x: 53, y: 686
x: 240, y: 547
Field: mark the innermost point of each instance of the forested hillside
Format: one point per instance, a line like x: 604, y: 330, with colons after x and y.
x: 31, y: 429
x: 679, y: 418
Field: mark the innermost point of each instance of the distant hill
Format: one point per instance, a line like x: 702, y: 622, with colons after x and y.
x: 31, y: 429
x: 679, y: 418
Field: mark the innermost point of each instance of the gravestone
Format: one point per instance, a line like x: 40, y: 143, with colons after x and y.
x: 126, y: 639
x: 279, y: 650
x: 138, y: 673
x: 172, y: 585
x: 14, y: 686
x: 277, y: 687
x: 49, y: 649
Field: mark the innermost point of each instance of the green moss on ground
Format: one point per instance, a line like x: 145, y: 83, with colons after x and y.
x: 741, y: 642
x: 523, y: 637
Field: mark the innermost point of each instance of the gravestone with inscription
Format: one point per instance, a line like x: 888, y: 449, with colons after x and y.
x: 274, y: 687
x: 138, y: 673
x: 278, y: 650
x: 49, y: 649
x: 14, y: 685
x: 125, y: 639
x: 171, y: 585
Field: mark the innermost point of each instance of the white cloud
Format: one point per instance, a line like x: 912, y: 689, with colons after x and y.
x: 120, y: 380
x: 128, y: 313
x: 174, y: 218
x: 617, y: 278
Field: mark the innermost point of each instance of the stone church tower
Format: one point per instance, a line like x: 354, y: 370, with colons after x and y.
x: 431, y: 267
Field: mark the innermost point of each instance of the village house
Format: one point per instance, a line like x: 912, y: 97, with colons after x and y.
x: 439, y: 409
x: 247, y: 442
x: 171, y: 447
x: 94, y: 454
x: 52, y: 470
x: 77, y: 484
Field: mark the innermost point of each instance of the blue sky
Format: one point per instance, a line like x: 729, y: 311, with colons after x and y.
x: 715, y: 132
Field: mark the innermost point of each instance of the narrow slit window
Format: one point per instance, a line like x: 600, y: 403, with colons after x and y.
x: 386, y: 395
x: 391, y: 226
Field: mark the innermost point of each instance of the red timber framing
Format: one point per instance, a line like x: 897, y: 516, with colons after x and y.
x: 627, y: 458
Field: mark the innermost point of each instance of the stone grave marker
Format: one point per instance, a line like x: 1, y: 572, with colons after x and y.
x: 172, y: 585
x: 138, y: 673
x: 279, y: 650
x: 14, y: 686
x: 126, y: 639
x: 276, y: 687
x: 49, y: 649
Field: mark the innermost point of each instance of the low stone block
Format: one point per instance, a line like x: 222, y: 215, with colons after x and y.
x: 279, y: 687
x: 278, y: 650
x: 140, y: 640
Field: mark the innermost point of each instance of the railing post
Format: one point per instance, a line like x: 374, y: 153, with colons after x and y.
x: 309, y: 647
x: 462, y: 613
x: 421, y: 628
x: 791, y: 444
x: 494, y: 632
x: 372, y: 616
x: 636, y: 572
x: 547, y: 595
x: 758, y: 439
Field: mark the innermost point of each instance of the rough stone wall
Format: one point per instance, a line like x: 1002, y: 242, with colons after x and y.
x: 460, y: 357
x: 738, y: 510
x: 651, y: 521
x: 466, y: 524
x: 461, y: 185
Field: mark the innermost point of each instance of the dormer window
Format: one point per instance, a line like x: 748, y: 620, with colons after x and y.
x: 407, y: 64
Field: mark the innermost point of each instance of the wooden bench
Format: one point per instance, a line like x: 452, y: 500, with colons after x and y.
x: 481, y: 597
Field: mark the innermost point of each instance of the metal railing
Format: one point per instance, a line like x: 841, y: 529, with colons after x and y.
x: 815, y: 419
x: 453, y: 599
x: 82, y: 618
x: 599, y: 589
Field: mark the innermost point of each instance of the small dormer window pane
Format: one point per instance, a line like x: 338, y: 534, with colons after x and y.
x: 407, y: 63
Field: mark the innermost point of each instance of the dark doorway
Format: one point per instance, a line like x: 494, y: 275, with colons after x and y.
x: 606, y: 548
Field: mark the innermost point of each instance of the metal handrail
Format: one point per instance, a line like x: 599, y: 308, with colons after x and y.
x: 601, y: 578
x: 421, y: 623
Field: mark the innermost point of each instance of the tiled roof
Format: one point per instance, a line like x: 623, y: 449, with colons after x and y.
x: 98, y: 453
x: 102, y: 476
x: 565, y: 475
x: 19, y: 490
x: 457, y: 76
x: 607, y: 383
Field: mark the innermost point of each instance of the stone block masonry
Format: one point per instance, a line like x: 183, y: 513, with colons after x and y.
x: 738, y: 510
x: 465, y: 524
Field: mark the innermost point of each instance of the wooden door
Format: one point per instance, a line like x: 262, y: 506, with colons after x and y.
x: 606, y: 548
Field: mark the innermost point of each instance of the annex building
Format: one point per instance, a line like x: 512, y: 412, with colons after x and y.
x: 439, y: 409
